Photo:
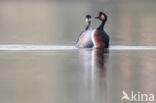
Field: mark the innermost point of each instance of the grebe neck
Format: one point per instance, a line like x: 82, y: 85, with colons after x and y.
x: 102, y: 25
x: 88, y: 26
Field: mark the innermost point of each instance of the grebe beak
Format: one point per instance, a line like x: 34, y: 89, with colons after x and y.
x: 97, y: 17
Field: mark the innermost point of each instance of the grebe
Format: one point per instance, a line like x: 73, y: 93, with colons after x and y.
x: 99, y: 36
x: 85, y: 38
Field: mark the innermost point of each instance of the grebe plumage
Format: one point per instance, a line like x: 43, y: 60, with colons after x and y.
x: 99, y: 36
x: 85, y: 38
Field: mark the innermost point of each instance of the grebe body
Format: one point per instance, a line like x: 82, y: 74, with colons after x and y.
x: 85, y: 37
x: 99, y: 36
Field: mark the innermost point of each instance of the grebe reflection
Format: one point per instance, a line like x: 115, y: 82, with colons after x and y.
x: 93, y: 58
x: 99, y: 58
x: 94, y: 63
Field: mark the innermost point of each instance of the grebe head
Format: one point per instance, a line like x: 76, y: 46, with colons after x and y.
x: 102, y: 16
x: 88, y: 18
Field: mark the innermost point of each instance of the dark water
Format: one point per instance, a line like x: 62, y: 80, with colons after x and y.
x: 39, y: 63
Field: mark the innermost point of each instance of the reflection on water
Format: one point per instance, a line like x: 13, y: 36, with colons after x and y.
x: 94, y: 60
x: 99, y: 57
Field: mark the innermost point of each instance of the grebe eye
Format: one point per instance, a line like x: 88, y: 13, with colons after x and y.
x: 102, y: 17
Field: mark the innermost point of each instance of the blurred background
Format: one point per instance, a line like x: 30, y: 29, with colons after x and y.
x: 76, y: 76
x: 60, y: 22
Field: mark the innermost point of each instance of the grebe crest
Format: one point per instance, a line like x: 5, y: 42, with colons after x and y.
x: 88, y: 18
x: 102, y: 16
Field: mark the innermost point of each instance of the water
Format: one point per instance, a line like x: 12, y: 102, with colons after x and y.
x: 77, y: 75
x: 39, y: 62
